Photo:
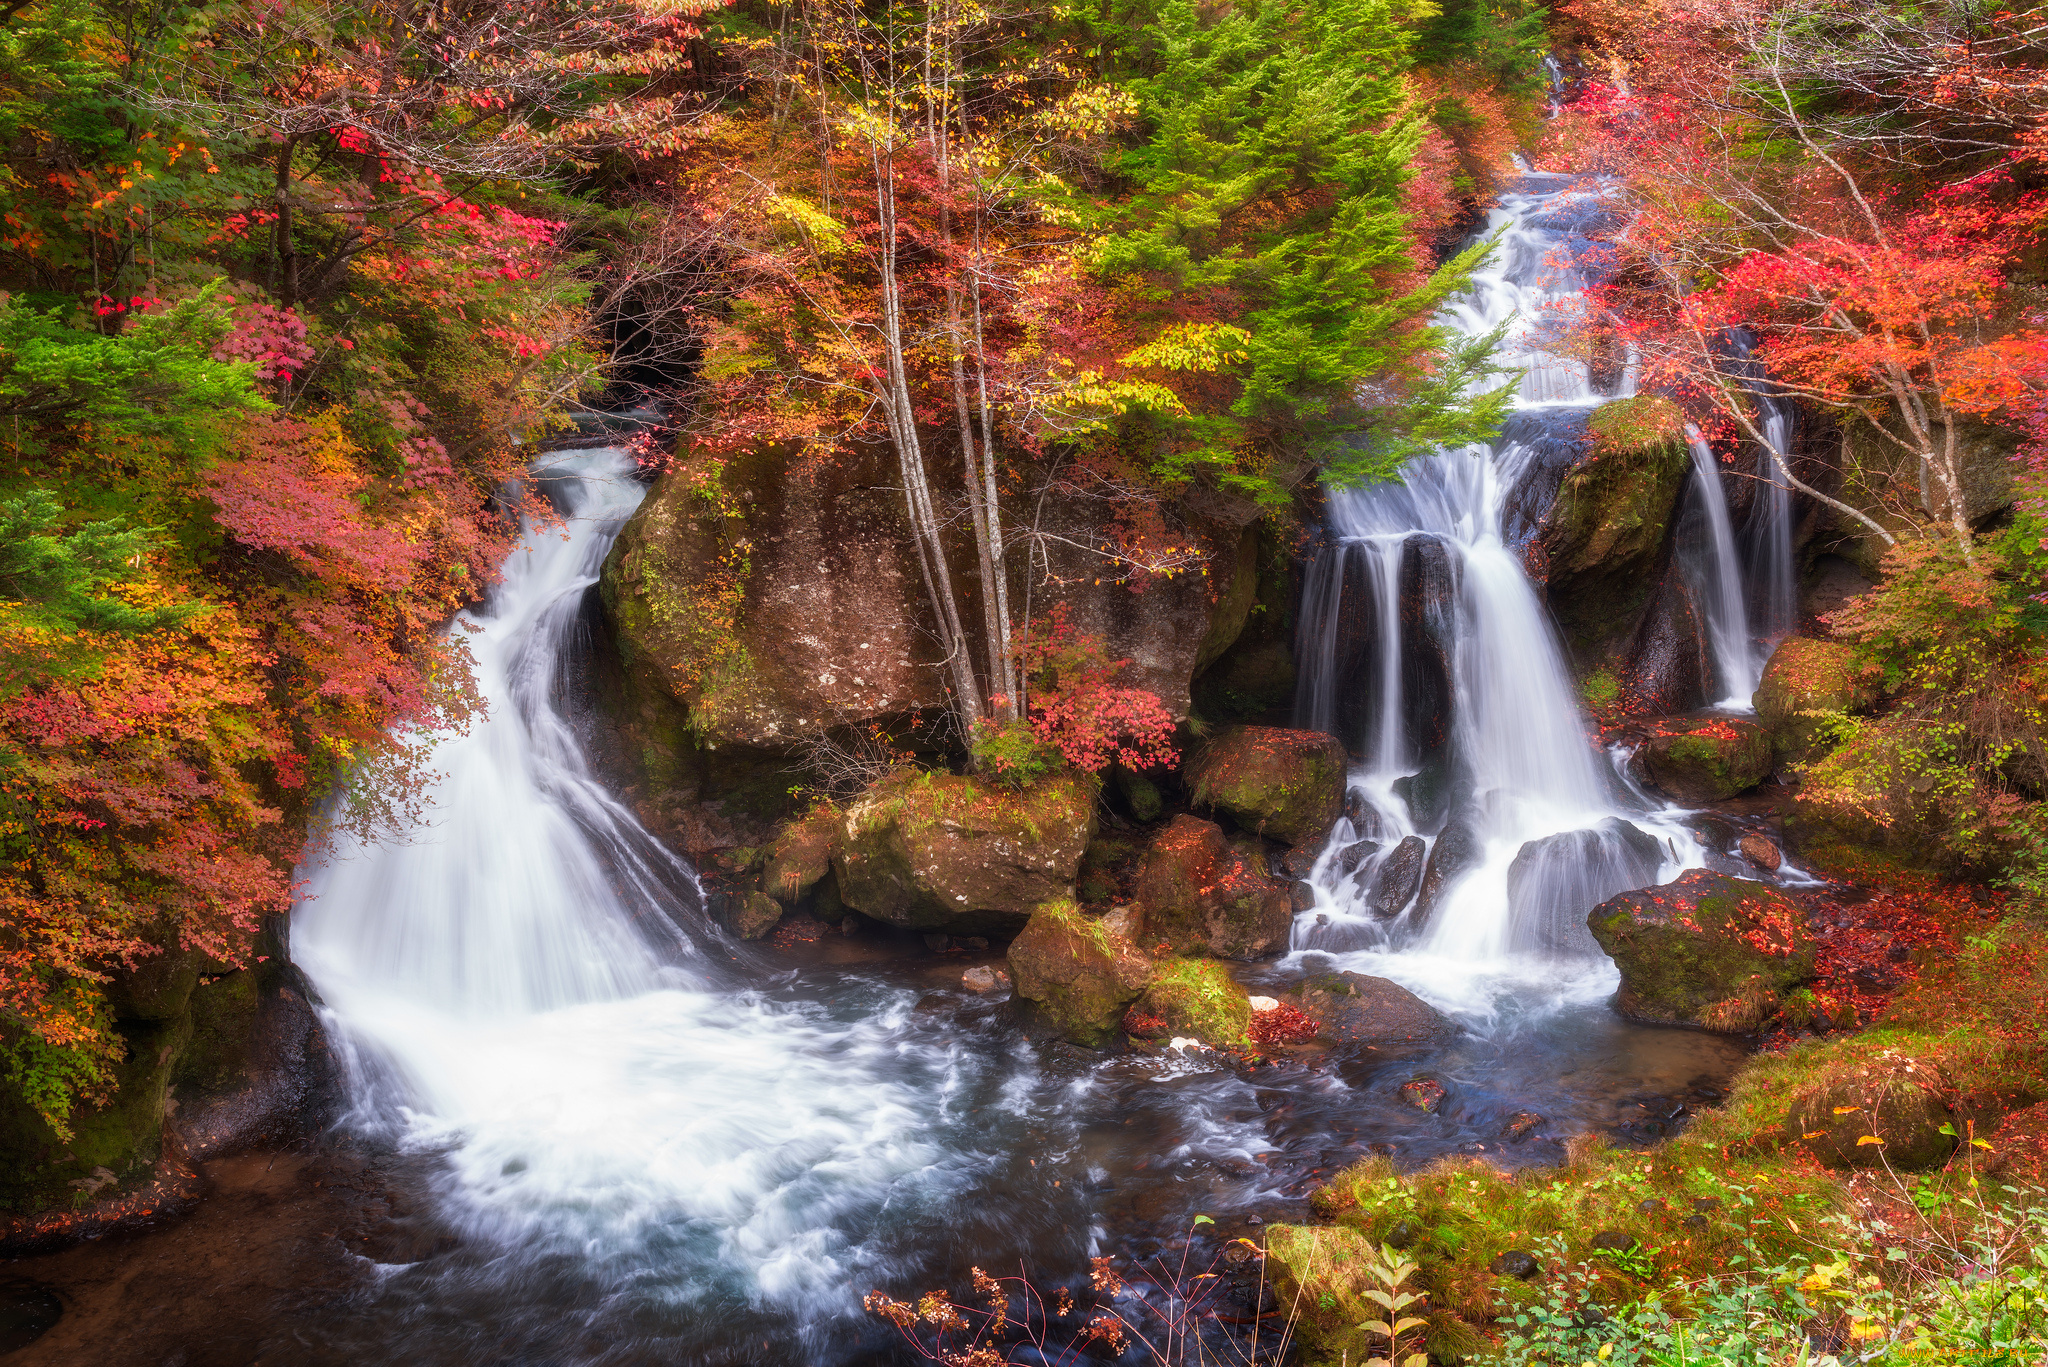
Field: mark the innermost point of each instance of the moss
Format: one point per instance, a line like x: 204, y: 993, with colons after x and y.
x: 1283, y: 783
x: 1705, y: 950
x: 1198, y: 997
x: 223, y: 1021
x: 1075, y: 973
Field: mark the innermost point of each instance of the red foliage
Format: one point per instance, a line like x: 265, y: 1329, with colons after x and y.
x: 1282, y: 1025
x: 1078, y: 709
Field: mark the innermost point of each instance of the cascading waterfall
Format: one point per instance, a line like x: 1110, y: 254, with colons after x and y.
x: 526, y: 986
x: 1483, y: 822
x: 1773, y: 582
x: 1721, y: 588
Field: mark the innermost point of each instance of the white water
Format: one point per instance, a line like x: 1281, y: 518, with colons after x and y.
x: 527, y: 988
x: 1519, y: 760
x: 1738, y: 656
x: 1773, y: 583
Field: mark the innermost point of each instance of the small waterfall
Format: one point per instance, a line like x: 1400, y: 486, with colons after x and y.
x: 1483, y: 821
x: 1768, y: 539
x: 528, y: 987
x: 1720, y: 586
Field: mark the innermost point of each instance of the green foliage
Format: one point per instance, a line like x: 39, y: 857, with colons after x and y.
x: 1503, y: 38
x: 53, y: 1078
x: 63, y: 581
x: 157, y: 370
x: 1279, y: 140
x: 1011, y: 753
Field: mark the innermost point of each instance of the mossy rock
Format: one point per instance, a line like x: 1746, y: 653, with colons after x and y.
x: 1704, y: 759
x: 1078, y: 973
x: 1202, y: 897
x: 1806, y: 676
x: 1886, y: 1111
x: 223, y: 1029
x: 1284, y: 784
x: 124, y: 1136
x: 1605, y: 532
x: 1356, y: 1008
x: 1894, y: 788
x: 801, y: 855
x: 1706, y: 950
x: 1198, y: 997
x: 961, y: 855
x: 1321, y: 1273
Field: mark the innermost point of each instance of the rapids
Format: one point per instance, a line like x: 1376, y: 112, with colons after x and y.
x: 636, y: 1140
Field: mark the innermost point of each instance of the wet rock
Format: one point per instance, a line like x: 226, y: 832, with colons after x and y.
x: 1351, y: 856
x: 1425, y: 1094
x: 937, y: 852
x: 1359, y: 812
x: 938, y: 944
x: 1613, y: 1241
x: 1355, y: 1008
x: 1429, y: 616
x: 1688, y: 951
x: 1202, y: 897
x: 1807, y: 676
x: 1457, y: 851
x: 1604, y: 537
x: 1127, y: 921
x: 1141, y: 795
x: 1705, y: 758
x: 1555, y: 881
x: 1396, y: 879
x: 1197, y: 997
x: 985, y: 979
x: 1285, y: 784
x: 1761, y: 851
x: 801, y: 855
x: 1877, y: 1112
x: 1428, y: 794
x: 1402, y: 1236
x: 751, y: 915
x: 1301, y: 896
x: 1515, y: 1263
x: 1301, y: 861
x: 1665, y: 664
x: 1651, y: 1207
x: 1713, y: 832
x: 1520, y: 1126
x: 1077, y: 973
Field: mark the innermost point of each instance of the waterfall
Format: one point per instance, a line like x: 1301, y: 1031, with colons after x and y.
x: 526, y: 985
x: 1772, y: 577
x: 1483, y: 821
x: 1720, y: 585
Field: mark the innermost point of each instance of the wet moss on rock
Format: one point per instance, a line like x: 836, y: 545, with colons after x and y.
x: 1706, y: 950
x: 1198, y: 997
x: 1281, y: 783
x: 1077, y: 972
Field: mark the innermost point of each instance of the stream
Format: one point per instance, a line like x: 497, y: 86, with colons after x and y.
x: 584, y: 1126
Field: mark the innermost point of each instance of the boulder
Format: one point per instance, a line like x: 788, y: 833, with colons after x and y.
x: 1197, y: 997
x: 1457, y: 851
x: 1603, y: 539
x: 772, y: 603
x: 749, y: 915
x: 1705, y: 758
x: 1354, y: 1008
x: 1076, y: 971
x: 1880, y: 791
x: 1395, y: 880
x: 1285, y: 784
x: 776, y: 596
x: 1555, y: 881
x: 1806, y: 676
x: 958, y: 855
x: 1882, y: 1112
x: 1707, y: 950
x: 801, y: 855
x: 1200, y: 896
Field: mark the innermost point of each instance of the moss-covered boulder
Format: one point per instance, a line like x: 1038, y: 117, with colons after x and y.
x: 1355, y: 1008
x: 1895, y: 786
x: 1807, y: 676
x: 1603, y: 537
x: 801, y: 855
x: 1197, y: 997
x: 1285, y: 784
x: 1706, y: 950
x: 1705, y: 758
x: 960, y: 855
x: 1868, y: 1112
x: 1200, y: 896
x: 1077, y: 971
